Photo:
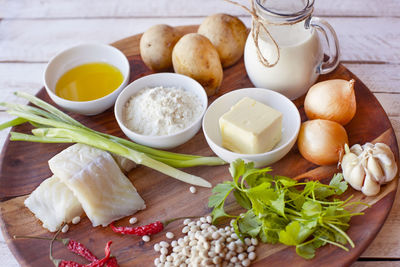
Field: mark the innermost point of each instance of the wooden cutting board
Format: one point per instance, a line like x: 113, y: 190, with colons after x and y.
x: 23, y: 166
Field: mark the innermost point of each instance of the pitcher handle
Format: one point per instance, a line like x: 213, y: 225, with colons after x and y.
x: 333, y: 45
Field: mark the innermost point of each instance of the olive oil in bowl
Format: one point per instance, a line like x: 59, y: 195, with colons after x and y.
x: 89, y: 82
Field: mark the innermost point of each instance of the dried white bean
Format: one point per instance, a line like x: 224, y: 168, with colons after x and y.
x: 65, y: 228
x: 254, y: 241
x: 215, y: 235
x: 163, y: 251
x: 169, y: 235
x: 133, y: 220
x: 239, y: 249
x: 252, y: 256
x: 192, y: 189
x: 251, y: 248
x: 146, y: 238
x: 218, y: 248
x: 185, y: 229
x: 246, y: 262
x: 241, y: 256
x: 76, y: 220
x: 232, y: 246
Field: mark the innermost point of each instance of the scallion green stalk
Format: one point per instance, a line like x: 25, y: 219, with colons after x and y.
x: 54, y: 126
x: 170, y: 158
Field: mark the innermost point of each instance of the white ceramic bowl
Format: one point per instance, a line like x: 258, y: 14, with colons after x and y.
x: 78, y: 55
x: 165, y: 80
x: 290, y: 124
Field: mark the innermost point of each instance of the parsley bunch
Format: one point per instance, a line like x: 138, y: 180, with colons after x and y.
x: 280, y: 209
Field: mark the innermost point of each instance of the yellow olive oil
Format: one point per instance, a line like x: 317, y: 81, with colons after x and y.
x: 89, y: 82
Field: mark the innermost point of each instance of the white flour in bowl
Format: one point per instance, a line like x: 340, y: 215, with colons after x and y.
x: 161, y: 110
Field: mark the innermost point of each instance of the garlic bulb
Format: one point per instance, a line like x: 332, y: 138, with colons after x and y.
x: 368, y: 166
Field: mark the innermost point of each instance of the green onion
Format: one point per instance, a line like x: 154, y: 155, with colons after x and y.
x: 54, y: 126
x: 170, y: 158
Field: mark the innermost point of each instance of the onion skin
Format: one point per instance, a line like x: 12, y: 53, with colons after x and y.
x: 331, y: 100
x: 321, y: 141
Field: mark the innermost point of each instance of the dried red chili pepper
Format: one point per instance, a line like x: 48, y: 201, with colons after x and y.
x: 74, y: 246
x: 79, y: 249
x: 95, y: 263
x: 149, y: 229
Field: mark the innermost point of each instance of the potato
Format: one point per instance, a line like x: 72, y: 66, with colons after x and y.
x: 195, y: 56
x: 228, y: 34
x: 156, y: 46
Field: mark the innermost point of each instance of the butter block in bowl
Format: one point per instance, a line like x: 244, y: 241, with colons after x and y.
x: 241, y: 127
x: 250, y: 127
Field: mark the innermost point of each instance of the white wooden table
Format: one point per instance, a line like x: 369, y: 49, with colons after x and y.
x: 32, y: 31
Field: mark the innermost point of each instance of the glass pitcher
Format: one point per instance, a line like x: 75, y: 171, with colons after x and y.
x: 292, y: 29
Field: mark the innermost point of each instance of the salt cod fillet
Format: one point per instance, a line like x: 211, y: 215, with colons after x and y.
x: 53, y: 203
x: 104, y: 192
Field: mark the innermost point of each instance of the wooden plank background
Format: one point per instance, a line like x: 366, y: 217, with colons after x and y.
x: 32, y: 31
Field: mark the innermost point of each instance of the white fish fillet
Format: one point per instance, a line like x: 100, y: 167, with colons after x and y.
x: 104, y: 192
x: 53, y: 203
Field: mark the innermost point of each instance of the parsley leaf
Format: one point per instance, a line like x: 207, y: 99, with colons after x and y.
x: 221, y: 192
x: 294, y: 234
x: 249, y: 224
x: 217, y: 200
x: 338, y: 183
x: 306, y: 251
x: 242, y: 199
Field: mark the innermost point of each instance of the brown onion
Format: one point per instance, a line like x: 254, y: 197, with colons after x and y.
x: 321, y: 141
x: 331, y: 100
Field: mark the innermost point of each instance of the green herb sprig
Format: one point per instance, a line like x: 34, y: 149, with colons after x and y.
x: 279, y: 209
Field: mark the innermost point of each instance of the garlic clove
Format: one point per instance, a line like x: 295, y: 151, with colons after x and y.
x: 375, y: 170
x: 370, y: 187
x: 387, y: 161
x: 349, y: 160
x: 390, y: 170
x: 356, y: 177
x: 353, y: 171
x: 383, y: 149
